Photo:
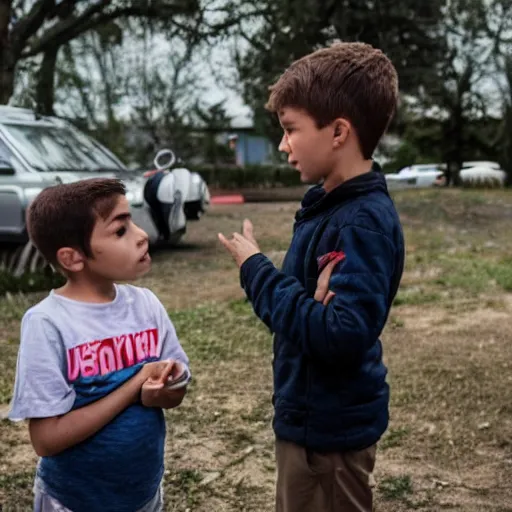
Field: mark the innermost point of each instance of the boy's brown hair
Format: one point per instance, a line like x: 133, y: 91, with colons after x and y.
x: 349, y: 80
x: 65, y: 215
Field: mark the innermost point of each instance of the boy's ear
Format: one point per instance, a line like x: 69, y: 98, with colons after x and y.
x: 70, y: 259
x: 341, y: 131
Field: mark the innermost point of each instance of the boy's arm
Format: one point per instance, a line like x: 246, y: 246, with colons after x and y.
x: 163, y: 398
x: 43, y: 395
x: 51, y: 436
x: 170, y: 349
x: 342, y: 331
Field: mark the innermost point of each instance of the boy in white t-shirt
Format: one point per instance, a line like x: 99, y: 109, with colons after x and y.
x: 97, y: 361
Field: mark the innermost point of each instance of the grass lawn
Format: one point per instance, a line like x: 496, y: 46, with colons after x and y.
x: 448, y: 347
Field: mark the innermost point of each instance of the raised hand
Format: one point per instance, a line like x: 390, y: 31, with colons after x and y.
x: 241, y: 247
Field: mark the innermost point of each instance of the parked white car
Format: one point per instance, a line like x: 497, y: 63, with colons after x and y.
x: 482, y: 173
x: 428, y: 175
x: 415, y: 176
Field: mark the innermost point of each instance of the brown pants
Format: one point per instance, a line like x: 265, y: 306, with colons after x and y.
x: 308, y: 481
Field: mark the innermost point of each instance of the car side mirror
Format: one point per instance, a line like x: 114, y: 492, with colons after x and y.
x: 6, y: 169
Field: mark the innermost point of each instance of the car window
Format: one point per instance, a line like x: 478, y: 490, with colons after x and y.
x: 55, y: 148
x: 7, y: 156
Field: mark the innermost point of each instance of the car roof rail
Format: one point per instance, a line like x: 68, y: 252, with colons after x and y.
x: 8, y: 113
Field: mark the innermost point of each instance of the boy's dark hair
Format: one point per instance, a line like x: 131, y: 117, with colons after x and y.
x: 350, y: 80
x: 65, y: 215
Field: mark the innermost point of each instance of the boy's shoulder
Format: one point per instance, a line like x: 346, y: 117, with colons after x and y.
x: 374, y: 212
x: 48, y: 308
x: 132, y: 292
x: 139, y: 294
x: 44, y: 308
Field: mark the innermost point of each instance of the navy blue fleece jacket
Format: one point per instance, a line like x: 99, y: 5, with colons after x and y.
x: 330, y: 390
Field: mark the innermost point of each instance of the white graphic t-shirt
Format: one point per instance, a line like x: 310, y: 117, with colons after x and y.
x: 73, y: 353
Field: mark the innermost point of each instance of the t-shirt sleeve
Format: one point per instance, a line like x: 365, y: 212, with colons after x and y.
x: 41, y: 389
x: 170, y: 345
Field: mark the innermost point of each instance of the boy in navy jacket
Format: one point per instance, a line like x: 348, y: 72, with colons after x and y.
x: 331, y: 397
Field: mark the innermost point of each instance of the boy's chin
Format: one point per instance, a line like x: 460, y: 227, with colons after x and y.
x: 310, y: 180
x: 142, y: 273
x: 132, y: 276
x: 305, y: 178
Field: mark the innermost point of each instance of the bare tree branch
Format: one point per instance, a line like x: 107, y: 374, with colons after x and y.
x: 30, y: 23
x: 66, y: 30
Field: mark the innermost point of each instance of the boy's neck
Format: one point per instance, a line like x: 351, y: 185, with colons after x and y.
x: 88, y: 290
x: 345, y: 171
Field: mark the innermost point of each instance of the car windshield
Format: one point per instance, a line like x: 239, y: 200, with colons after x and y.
x: 59, y: 148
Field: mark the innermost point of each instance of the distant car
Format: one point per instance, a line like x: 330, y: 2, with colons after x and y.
x: 415, y: 176
x: 482, y: 173
x: 429, y: 175
x: 38, y: 152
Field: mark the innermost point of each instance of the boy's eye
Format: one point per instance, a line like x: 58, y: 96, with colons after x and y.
x: 121, y: 231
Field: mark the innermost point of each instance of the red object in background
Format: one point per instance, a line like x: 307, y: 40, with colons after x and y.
x: 147, y: 174
x: 231, y: 199
x: 327, y: 258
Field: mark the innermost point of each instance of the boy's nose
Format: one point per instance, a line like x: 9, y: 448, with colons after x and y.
x: 283, y: 145
x: 142, y: 236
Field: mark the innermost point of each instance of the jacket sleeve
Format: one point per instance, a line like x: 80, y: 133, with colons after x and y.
x: 344, y: 329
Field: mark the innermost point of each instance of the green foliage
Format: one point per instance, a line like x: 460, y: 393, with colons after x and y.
x: 213, y: 119
x: 394, y: 438
x: 295, y: 28
x: 396, y: 488
x: 250, y: 176
x: 29, y: 282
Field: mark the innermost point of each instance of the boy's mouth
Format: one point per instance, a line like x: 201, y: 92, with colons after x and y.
x: 145, y: 258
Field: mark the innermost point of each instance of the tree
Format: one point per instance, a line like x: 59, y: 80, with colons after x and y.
x: 505, y: 135
x: 462, y: 93
x: 47, y: 25
x: 89, y: 81
x: 163, y: 90
x: 212, y: 121
x: 500, y: 31
x: 456, y: 93
x: 131, y: 85
x: 406, y: 30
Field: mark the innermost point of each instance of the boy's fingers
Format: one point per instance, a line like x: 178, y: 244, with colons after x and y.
x: 225, y: 242
x: 164, y: 371
x: 248, y: 231
x: 321, y: 290
x: 328, y: 298
x: 149, y: 384
x: 330, y: 266
x: 326, y: 273
x: 322, y: 287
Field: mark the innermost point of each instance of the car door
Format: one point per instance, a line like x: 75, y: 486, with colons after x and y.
x: 12, y: 216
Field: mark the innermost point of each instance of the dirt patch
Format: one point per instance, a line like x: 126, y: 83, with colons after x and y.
x: 442, y: 320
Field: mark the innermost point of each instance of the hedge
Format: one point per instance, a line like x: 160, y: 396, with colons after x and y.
x: 254, y: 176
x: 29, y: 282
